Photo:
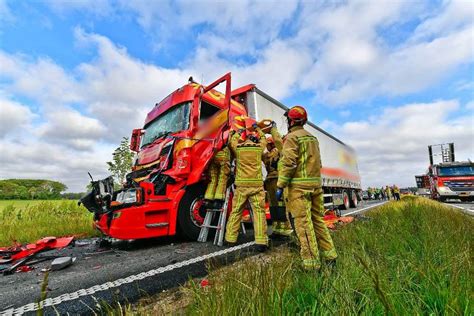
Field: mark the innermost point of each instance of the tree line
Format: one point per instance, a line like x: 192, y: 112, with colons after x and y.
x: 31, y: 189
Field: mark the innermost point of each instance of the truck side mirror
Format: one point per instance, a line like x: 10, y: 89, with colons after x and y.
x: 136, y: 139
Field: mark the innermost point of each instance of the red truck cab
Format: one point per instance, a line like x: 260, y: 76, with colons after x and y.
x: 164, y: 191
x: 453, y: 180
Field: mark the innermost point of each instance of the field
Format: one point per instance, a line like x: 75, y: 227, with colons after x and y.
x: 26, y: 221
x: 413, y: 257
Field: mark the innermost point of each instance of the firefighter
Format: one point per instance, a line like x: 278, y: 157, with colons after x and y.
x: 377, y: 193
x: 280, y: 229
x: 388, y: 193
x: 219, y: 170
x: 382, y: 193
x: 299, y: 173
x: 396, y: 192
x: 247, y: 147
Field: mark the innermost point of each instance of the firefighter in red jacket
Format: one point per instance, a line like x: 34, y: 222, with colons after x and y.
x: 299, y: 173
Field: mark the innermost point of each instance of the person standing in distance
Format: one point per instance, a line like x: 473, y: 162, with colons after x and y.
x: 299, y: 172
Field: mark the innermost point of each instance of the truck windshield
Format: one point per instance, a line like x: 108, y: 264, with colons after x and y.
x: 174, y: 120
x: 457, y: 171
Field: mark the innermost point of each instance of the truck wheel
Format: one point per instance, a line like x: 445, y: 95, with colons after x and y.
x: 191, y: 212
x: 353, y: 201
x: 345, y: 201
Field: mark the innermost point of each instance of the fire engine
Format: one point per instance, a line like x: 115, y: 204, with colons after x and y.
x: 448, y: 179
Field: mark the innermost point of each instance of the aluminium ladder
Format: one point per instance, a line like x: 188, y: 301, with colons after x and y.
x: 220, y: 227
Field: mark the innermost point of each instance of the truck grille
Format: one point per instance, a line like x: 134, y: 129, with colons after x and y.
x: 460, y: 185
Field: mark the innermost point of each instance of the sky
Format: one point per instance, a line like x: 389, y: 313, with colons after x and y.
x: 388, y: 78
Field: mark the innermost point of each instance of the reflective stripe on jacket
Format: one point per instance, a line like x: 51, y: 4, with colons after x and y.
x: 248, y: 156
x: 300, y: 161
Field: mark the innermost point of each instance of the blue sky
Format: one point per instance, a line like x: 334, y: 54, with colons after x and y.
x: 388, y: 78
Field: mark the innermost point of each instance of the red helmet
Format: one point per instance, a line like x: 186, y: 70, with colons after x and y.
x: 297, y: 113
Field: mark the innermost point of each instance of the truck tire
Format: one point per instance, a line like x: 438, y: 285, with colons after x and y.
x: 189, y: 212
x: 353, y: 200
x: 345, y: 201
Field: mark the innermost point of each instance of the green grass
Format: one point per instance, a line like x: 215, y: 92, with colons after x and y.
x: 26, y: 221
x: 22, y: 203
x: 413, y: 257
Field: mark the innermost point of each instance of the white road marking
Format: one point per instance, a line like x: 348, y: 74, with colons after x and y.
x: 363, y: 209
x: 108, y: 285
x: 460, y: 207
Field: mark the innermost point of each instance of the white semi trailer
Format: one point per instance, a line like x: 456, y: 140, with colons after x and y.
x: 340, y: 173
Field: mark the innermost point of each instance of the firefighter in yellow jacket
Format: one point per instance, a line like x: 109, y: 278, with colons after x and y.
x: 270, y: 159
x: 248, y: 153
x: 299, y: 172
x: 219, y: 170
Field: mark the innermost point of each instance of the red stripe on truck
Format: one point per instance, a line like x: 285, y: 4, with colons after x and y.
x: 339, y: 173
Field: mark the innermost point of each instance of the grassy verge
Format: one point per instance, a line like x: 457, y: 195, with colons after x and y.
x: 23, y: 203
x: 411, y: 257
x: 27, y: 221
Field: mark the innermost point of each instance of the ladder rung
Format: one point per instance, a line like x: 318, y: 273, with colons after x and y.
x: 210, y: 226
x: 214, y: 210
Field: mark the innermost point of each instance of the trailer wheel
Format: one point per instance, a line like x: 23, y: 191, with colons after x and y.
x: 353, y: 201
x: 345, y: 201
x: 190, y: 212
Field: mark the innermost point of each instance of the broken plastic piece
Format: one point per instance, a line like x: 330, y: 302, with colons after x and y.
x: 61, y: 263
x: 24, y: 269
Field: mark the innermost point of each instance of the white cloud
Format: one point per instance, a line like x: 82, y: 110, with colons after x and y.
x: 114, y: 92
x: 359, y: 64
x: 71, y: 128
x: 392, y: 146
x: 232, y: 27
x: 449, y: 18
x: 41, y: 79
x: 13, y: 116
x: 30, y: 158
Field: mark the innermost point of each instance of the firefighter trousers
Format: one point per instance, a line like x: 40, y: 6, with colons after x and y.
x: 219, y: 174
x: 256, y: 198
x: 307, y: 208
x: 278, y: 227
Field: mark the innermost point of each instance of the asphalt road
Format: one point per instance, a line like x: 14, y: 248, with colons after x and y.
x: 123, y: 273
x: 466, y: 207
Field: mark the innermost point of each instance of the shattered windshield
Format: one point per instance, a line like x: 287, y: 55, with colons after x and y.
x: 457, y: 171
x: 174, y: 120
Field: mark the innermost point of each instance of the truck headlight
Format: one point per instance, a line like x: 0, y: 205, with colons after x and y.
x: 128, y: 197
x: 444, y: 189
